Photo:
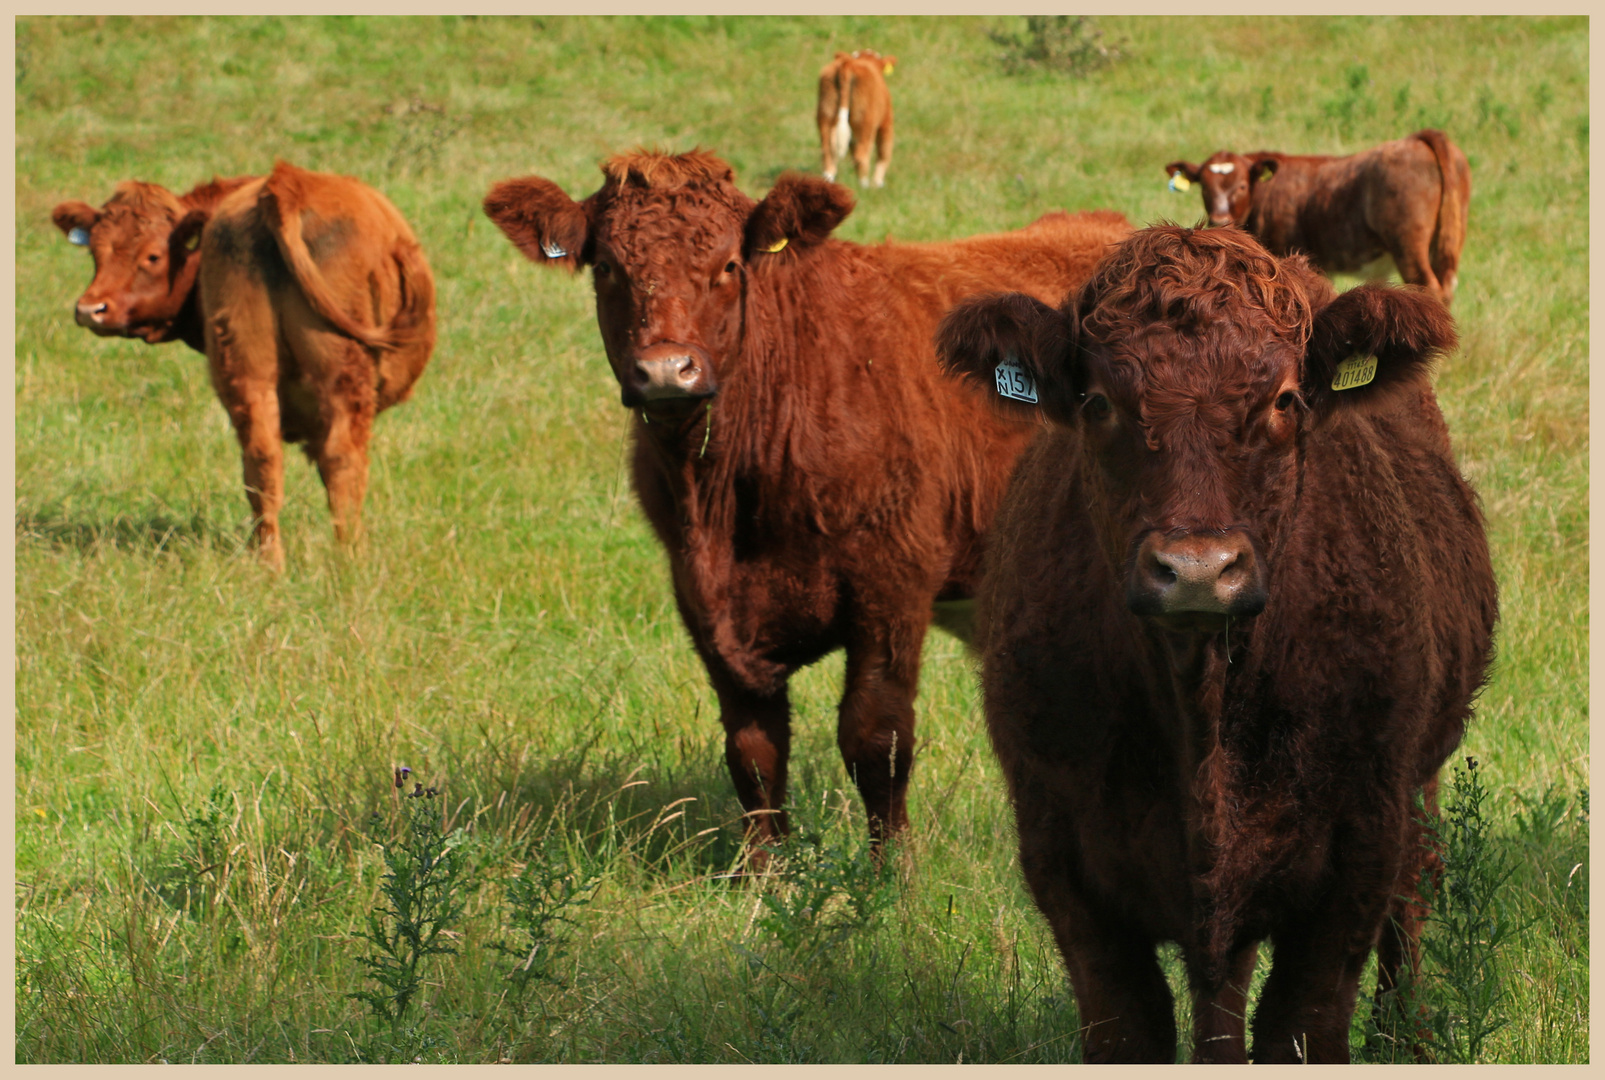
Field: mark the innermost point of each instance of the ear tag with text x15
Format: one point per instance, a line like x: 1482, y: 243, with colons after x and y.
x: 1355, y: 371
x: 1014, y: 382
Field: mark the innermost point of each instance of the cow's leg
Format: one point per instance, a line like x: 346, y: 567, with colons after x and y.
x: 1220, y: 1014
x: 1308, y: 999
x: 828, y: 155
x: 1409, y: 248
x: 863, y: 144
x: 1399, y: 946
x: 243, y: 359
x: 757, y: 744
x: 883, y: 152
x: 875, y: 722
x: 1122, y: 998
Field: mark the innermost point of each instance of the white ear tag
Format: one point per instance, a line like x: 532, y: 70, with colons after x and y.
x: 1014, y: 382
x: 79, y: 235
x: 551, y: 250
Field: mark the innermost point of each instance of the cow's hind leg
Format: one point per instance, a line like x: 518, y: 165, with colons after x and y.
x: 1220, y: 1013
x: 1399, y: 947
x: 875, y: 722
x: 1409, y: 249
x: 883, y: 152
x: 1308, y: 999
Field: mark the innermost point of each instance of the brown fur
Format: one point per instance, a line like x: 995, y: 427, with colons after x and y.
x: 1406, y: 199
x: 838, y: 484
x: 856, y: 82
x: 309, y: 295
x: 1217, y: 783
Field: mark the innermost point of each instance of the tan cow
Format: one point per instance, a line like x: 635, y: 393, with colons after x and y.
x: 855, y: 110
x: 307, y: 292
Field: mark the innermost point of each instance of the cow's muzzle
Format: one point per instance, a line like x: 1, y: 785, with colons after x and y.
x: 1196, y: 581
x: 99, y: 317
x: 665, y: 374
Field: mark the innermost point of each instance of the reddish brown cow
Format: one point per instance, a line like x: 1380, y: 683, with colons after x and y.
x: 308, y: 294
x: 817, y: 482
x: 1406, y: 199
x: 855, y: 112
x: 1231, y: 622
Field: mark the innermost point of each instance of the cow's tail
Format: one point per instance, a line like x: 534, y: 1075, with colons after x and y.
x: 1451, y: 232
x: 286, y: 228
x: 412, y: 329
x: 841, y: 136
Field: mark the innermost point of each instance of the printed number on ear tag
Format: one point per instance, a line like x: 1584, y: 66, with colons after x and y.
x: 1014, y: 382
x: 1355, y: 371
x: 1178, y: 182
x: 551, y: 250
x: 79, y: 235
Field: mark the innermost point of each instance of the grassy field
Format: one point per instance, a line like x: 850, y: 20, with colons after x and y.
x: 204, y: 752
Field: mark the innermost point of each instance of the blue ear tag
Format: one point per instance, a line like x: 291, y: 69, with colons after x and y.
x: 79, y: 235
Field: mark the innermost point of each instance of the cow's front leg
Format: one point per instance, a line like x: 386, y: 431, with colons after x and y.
x: 875, y: 722
x: 1308, y: 999
x: 757, y: 744
x: 1220, y: 1012
x: 242, y: 354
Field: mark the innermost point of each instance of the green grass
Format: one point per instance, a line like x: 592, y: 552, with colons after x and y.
x: 201, y: 748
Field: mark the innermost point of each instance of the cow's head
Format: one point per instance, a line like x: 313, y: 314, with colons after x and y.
x: 1228, y: 181
x: 671, y: 242
x: 144, y: 244
x: 1189, y: 367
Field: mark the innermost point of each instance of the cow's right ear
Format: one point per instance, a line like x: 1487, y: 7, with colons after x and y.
x: 1261, y: 169
x: 1371, y: 339
x: 76, y: 219
x: 541, y: 220
x: 799, y: 209
x: 1184, y: 169
x: 1016, y: 347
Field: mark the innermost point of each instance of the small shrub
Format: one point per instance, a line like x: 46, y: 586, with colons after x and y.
x: 549, y: 885
x: 1068, y: 43
x: 825, y: 892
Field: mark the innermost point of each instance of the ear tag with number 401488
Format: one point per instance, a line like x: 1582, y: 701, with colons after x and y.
x: 1355, y: 371
x: 1014, y: 382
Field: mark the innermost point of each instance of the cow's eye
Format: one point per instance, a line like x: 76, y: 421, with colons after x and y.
x: 730, y: 267
x: 1285, y: 402
x: 1095, y: 407
x: 153, y: 258
x: 603, y: 269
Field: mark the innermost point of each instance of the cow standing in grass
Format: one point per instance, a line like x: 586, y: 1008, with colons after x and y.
x: 1407, y: 199
x: 308, y: 294
x: 855, y: 113
x: 815, y: 479
x: 1235, y: 609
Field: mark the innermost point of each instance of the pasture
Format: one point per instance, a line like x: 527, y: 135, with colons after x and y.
x: 204, y: 752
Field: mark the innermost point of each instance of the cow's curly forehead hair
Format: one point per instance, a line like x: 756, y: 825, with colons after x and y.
x: 144, y: 202
x: 654, y: 204
x: 1193, y: 279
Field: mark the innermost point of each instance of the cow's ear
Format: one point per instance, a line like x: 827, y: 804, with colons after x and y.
x: 1016, y: 348
x: 1371, y: 338
x: 800, y: 210
x: 1261, y: 169
x: 76, y: 219
x: 185, y: 240
x: 887, y: 64
x: 541, y: 221
x: 1185, y: 169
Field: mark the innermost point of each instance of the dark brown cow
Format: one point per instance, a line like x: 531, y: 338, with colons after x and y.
x: 308, y: 294
x: 1407, y: 199
x: 1231, y: 621
x: 837, y: 486
x: 855, y: 113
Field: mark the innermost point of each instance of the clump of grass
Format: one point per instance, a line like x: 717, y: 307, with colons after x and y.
x: 423, y: 899
x: 1069, y: 43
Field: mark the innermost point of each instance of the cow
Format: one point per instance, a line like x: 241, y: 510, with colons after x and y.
x: 309, y: 295
x: 1234, y: 611
x: 855, y: 110
x: 814, y: 478
x: 1406, y: 199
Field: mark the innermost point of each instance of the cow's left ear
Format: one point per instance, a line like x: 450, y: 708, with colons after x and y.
x: 1186, y: 170
x: 184, y: 241
x: 1261, y: 169
x: 1015, y: 346
x: 1371, y: 338
x: 76, y: 219
x: 799, y: 209
x: 541, y: 220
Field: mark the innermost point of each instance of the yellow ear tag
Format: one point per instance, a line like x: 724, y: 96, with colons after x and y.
x: 888, y: 69
x: 1355, y: 371
x: 776, y: 246
x: 1178, y: 182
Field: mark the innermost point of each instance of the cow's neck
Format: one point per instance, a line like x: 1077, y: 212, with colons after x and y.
x: 188, y: 326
